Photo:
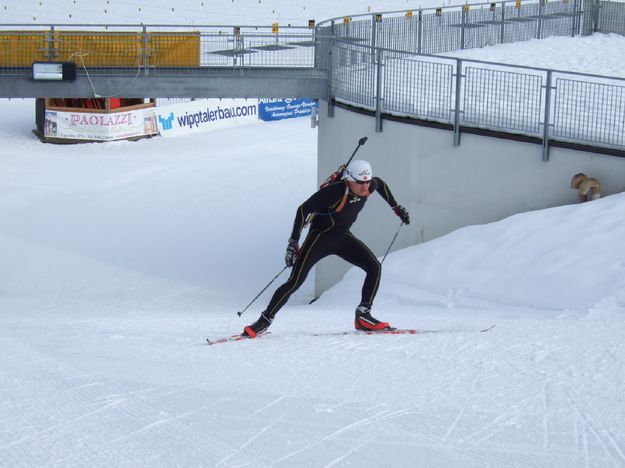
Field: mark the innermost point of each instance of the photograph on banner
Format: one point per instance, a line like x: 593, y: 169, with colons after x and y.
x: 205, y: 115
x: 278, y: 109
x: 100, y: 126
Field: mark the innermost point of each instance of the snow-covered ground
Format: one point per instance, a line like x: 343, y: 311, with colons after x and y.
x: 117, y: 261
x: 599, y: 54
x: 213, y: 12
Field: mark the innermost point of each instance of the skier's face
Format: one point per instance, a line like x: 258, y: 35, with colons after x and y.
x: 360, y: 188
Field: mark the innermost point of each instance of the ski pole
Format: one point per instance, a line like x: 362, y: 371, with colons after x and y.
x: 258, y: 295
x: 361, y: 142
x: 392, y: 242
x: 334, y: 176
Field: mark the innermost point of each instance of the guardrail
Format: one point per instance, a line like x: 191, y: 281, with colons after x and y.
x: 537, y: 102
x: 163, y: 49
x: 409, y: 80
x: 446, y: 29
x: 385, y: 62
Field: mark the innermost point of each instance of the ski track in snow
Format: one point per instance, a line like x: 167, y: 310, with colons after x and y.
x: 119, y: 260
x: 483, y: 430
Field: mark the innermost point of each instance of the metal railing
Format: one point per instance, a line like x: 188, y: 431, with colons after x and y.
x: 446, y: 29
x: 409, y: 80
x: 604, y: 16
x: 162, y: 49
x: 542, y: 103
x: 383, y: 62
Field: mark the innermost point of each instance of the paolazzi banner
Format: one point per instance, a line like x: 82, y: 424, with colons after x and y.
x: 278, y: 109
x: 100, y: 127
x: 205, y: 115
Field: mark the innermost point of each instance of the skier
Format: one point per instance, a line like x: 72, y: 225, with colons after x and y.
x: 334, y: 209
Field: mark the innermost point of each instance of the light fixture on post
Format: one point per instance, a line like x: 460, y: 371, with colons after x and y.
x: 54, y: 71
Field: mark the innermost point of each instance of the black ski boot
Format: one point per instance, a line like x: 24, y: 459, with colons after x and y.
x: 365, y: 321
x: 257, y: 327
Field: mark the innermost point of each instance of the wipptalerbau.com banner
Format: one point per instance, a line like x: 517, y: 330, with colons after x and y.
x: 205, y: 115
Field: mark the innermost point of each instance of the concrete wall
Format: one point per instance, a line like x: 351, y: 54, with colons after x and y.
x: 445, y: 187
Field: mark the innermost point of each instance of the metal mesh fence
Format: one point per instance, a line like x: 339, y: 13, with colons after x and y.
x: 19, y: 49
x: 354, y: 31
x: 122, y: 50
x: 440, y: 31
x: 502, y: 99
x: 587, y: 111
x: 446, y: 29
x: 521, y: 23
x: 484, y: 27
x: 417, y: 87
x: 581, y: 107
x: 493, y: 96
x: 398, y: 33
x: 610, y: 17
x: 560, y: 18
x: 409, y: 83
x: 353, y: 74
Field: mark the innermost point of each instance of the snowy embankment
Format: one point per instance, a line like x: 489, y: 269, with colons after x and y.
x: 598, y: 54
x: 566, y: 259
x: 119, y: 259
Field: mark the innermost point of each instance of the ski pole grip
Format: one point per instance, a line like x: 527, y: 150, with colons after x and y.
x: 362, y: 141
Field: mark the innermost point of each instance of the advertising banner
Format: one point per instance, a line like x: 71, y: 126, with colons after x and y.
x: 100, y: 127
x: 205, y: 115
x: 278, y: 109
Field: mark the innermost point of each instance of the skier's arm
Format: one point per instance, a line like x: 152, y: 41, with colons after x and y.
x: 385, y: 192
x: 300, y: 220
x: 319, y: 202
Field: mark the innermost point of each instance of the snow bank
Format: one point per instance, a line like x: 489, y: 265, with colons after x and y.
x: 568, y: 258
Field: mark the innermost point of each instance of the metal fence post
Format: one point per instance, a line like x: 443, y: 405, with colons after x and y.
x: 574, y: 18
x: 235, y: 44
x: 462, y: 27
x: 420, y: 32
x: 144, y: 37
x: 546, y: 117
x: 457, y: 103
x: 330, y: 69
x: 378, y: 93
x: 374, y: 27
x: 502, y: 34
x: 595, y: 14
x: 242, y: 59
x: 51, y: 46
x: 539, y: 30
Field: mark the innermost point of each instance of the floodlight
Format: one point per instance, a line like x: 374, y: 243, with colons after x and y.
x: 54, y: 71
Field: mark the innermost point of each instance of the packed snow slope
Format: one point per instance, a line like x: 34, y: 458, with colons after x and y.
x: 212, y: 12
x: 118, y: 260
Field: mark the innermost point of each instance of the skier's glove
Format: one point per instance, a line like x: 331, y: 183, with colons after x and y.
x: 292, y: 253
x: 402, y: 213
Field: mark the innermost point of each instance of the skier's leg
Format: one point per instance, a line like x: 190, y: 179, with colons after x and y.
x: 354, y: 251
x: 313, y: 249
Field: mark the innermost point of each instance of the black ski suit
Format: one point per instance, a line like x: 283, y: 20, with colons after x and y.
x: 330, y: 235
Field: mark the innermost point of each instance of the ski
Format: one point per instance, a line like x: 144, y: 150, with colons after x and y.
x: 387, y: 331
x: 228, y: 339
x: 397, y: 331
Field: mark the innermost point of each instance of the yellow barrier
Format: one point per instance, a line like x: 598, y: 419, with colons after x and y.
x: 124, y: 49
x: 99, y: 49
x: 174, y: 49
x: 22, y: 49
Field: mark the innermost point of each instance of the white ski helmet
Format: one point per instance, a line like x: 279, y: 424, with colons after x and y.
x: 358, y: 171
